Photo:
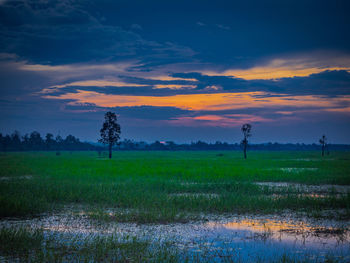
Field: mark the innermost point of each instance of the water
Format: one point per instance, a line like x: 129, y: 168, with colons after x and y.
x: 246, y: 238
x: 325, y: 188
x: 266, y: 239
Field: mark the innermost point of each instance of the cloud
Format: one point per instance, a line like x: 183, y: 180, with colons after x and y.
x: 61, y: 32
x: 208, y: 102
x: 171, y: 78
x: 299, y: 66
x: 136, y: 27
x: 99, y: 83
x: 223, y: 27
x: 67, y: 77
x: 328, y: 83
x: 228, y: 120
x: 77, y: 71
x: 153, y: 77
x: 174, y: 86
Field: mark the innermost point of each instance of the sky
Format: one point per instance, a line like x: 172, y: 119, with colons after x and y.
x: 177, y: 70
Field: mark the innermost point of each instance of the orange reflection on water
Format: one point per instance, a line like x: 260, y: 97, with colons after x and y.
x: 265, y: 225
x: 284, y: 230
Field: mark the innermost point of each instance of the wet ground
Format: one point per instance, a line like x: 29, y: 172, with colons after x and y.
x: 325, y: 188
x: 247, y: 238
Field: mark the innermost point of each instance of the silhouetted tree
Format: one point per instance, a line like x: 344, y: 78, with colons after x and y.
x: 7, y: 142
x: 25, y: 142
x: 128, y: 144
x: 110, y: 132
x: 170, y: 145
x: 2, y: 142
x: 323, y: 142
x: 16, y: 141
x: 59, y: 143
x: 246, y: 128
x: 49, y: 141
x: 70, y: 143
x: 35, y: 141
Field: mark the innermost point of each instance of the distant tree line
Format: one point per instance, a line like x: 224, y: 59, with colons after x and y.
x: 224, y: 146
x: 35, y: 142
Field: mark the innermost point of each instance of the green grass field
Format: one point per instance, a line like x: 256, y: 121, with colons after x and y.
x: 159, y: 188
x: 167, y: 186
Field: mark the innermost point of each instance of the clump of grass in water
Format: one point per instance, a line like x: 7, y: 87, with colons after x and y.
x: 20, y: 242
x: 160, y: 216
x: 27, y: 245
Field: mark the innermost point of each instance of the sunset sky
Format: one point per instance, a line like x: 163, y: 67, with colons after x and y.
x: 177, y: 70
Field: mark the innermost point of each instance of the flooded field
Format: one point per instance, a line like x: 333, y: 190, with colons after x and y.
x: 174, y: 207
x: 247, y: 238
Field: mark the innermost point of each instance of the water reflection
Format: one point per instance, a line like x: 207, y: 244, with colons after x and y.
x: 326, y: 188
x: 243, y: 238
x: 266, y: 239
x: 284, y: 231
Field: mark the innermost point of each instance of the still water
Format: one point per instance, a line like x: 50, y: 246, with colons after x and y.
x: 242, y: 238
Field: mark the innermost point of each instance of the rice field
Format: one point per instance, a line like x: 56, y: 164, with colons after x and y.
x: 175, y: 207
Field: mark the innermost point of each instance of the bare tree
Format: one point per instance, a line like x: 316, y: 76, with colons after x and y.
x: 246, y: 128
x: 323, y: 142
x: 110, y: 132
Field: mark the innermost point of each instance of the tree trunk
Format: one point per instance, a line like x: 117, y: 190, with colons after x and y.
x: 245, y: 151
x: 110, y: 150
x: 322, y: 150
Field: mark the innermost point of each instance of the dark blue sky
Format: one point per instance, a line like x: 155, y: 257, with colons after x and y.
x: 177, y: 70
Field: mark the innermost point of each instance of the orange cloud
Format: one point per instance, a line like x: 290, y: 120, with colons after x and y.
x: 285, y: 112
x: 271, y: 72
x: 227, y: 120
x: 209, y: 118
x: 287, y: 68
x: 342, y: 110
x: 210, y: 102
x: 301, y: 65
